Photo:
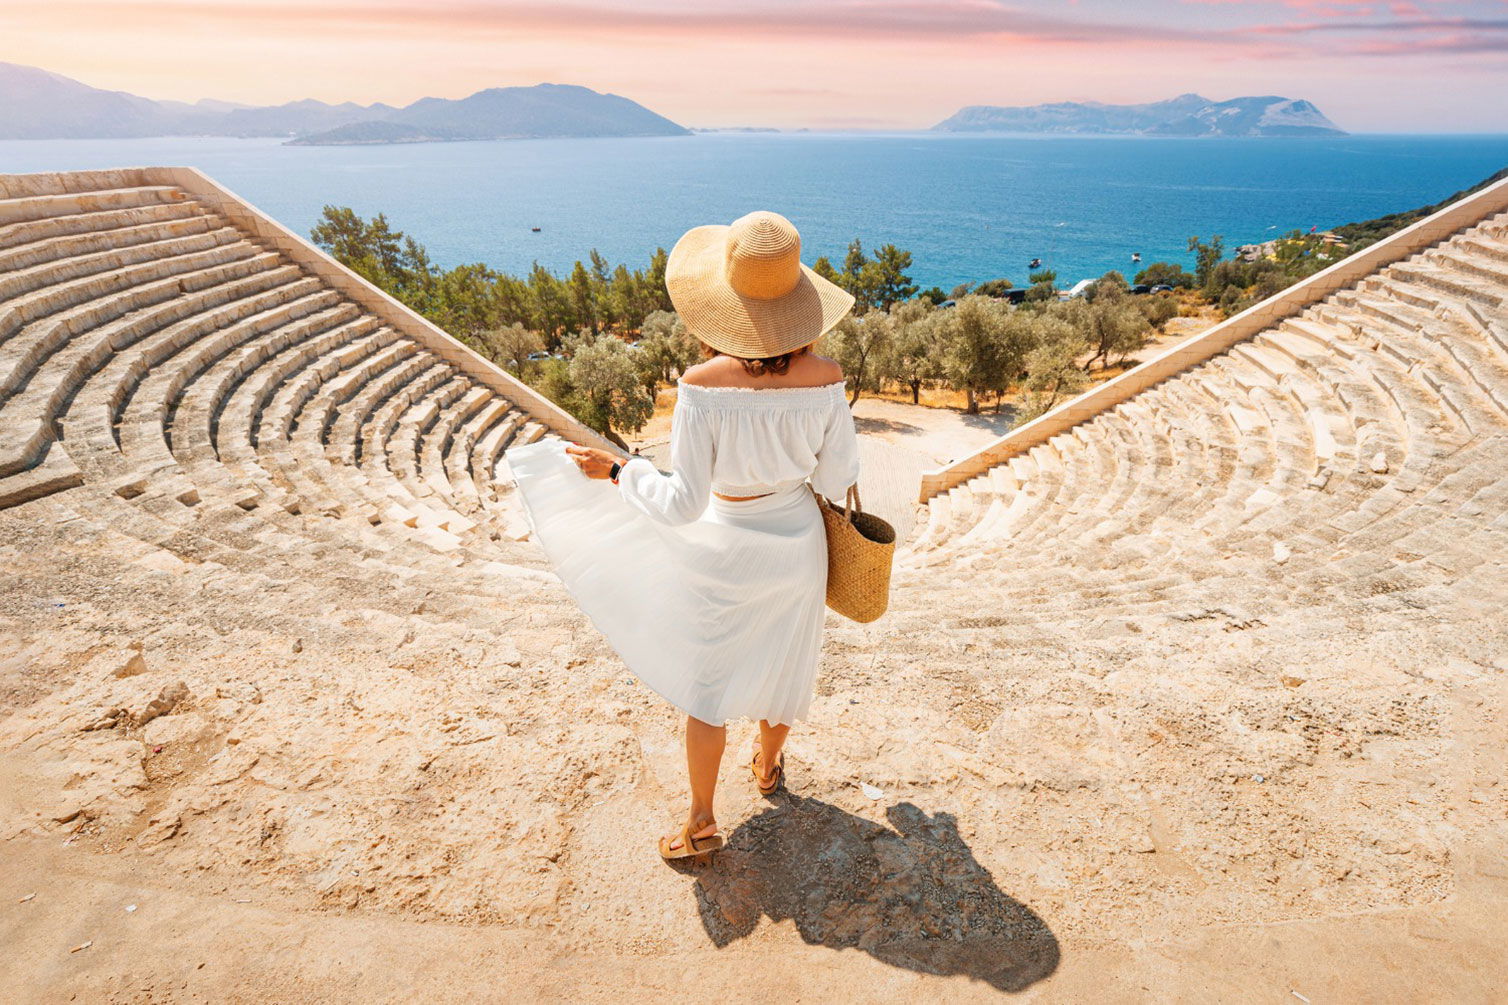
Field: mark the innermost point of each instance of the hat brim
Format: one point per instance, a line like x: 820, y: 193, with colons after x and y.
x: 746, y: 326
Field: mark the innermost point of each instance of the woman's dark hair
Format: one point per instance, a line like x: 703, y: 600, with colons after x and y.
x: 758, y: 367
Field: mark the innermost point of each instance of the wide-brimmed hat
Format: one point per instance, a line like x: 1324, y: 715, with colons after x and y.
x: 742, y: 289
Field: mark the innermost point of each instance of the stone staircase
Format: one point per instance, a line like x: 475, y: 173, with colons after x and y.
x: 175, y: 364
x: 1357, y: 449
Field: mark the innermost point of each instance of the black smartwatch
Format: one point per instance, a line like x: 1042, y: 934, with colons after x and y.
x: 612, y: 472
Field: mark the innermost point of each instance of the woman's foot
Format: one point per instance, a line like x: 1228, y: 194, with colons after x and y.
x: 767, y: 776
x: 704, y: 827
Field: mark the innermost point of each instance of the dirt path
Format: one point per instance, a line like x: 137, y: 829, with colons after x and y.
x: 178, y: 947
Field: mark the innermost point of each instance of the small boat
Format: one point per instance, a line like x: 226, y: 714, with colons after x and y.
x: 534, y: 229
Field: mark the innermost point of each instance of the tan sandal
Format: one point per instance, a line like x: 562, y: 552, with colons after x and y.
x: 691, y: 846
x: 776, y: 780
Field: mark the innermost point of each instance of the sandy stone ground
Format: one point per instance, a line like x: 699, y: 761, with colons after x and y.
x: 379, y: 784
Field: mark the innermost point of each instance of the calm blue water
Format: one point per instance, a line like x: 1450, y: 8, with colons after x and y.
x: 967, y: 207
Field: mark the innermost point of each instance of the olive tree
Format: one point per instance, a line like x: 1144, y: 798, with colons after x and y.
x: 513, y: 344
x: 913, y: 358
x: 974, y: 352
x: 858, y: 343
x: 1053, y: 371
x: 667, y: 348
x: 607, y: 390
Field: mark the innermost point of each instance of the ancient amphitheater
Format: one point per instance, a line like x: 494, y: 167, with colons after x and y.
x: 1191, y: 690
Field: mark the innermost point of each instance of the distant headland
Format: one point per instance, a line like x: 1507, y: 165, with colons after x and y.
x: 1185, y: 115
x: 38, y: 104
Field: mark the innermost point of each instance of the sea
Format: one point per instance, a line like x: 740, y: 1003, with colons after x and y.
x: 967, y: 207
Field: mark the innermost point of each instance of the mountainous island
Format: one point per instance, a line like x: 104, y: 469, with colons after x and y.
x: 1185, y: 115
x: 36, y: 104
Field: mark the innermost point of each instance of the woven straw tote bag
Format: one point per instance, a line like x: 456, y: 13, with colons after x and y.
x: 860, y: 547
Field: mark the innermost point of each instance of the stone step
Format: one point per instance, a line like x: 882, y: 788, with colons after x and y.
x: 55, y: 472
x: 130, y: 234
x: 18, y: 283
x: 34, y: 232
x: 41, y: 323
x: 36, y: 207
x: 29, y: 417
x: 1448, y: 280
x: 343, y: 443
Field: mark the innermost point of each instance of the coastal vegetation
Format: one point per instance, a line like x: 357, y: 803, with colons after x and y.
x: 603, y: 339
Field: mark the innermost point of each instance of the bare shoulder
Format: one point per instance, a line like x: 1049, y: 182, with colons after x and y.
x: 708, y: 373
x: 825, y: 369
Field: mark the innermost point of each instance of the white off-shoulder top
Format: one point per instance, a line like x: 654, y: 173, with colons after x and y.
x: 741, y: 441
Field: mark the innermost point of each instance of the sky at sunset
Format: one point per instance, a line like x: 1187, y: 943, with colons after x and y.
x: 1420, y: 66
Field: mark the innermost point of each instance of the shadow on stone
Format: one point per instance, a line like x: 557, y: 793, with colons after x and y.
x: 875, y: 424
x: 912, y: 896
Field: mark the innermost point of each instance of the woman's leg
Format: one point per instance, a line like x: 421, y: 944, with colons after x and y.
x: 704, y: 755
x: 771, y: 740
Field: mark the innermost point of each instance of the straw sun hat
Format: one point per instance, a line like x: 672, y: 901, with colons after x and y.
x: 742, y: 289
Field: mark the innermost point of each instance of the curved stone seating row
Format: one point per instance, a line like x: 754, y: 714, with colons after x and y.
x: 1301, y: 463
x: 211, y: 397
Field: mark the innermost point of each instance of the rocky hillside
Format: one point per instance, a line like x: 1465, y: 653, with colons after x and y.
x: 506, y: 112
x: 39, y: 105
x: 1185, y: 115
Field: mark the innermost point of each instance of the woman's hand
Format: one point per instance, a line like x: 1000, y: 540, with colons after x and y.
x: 593, y: 463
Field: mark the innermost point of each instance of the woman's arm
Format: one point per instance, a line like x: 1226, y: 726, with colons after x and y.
x: 675, y: 498
x: 838, y: 460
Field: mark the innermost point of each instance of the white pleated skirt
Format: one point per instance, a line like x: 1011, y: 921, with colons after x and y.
x: 722, y: 616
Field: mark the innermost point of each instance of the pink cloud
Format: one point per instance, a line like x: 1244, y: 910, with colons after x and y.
x: 947, y: 19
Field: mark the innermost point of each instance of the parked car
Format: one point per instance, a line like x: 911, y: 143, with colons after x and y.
x: 1141, y: 288
x: 1162, y: 288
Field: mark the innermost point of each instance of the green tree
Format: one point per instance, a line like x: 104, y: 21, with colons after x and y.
x: 993, y: 287
x: 888, y: 282
x: 858, y: 344
x: 512, y: 302
x: 460, y: 301
x: 667, y: 348
x: 974, y: 352
x: 373, y: 250
x: 653, y: 294
x: 1043, y: 287
x: 1110, y: 325
x: 1165, y: 274
x: 608, y: 392
x: 551, y: 313
x: 1158, y: 308
x: 1111, y: 286
x: 876, y: 282
x: 1206, y: 257
x: 618, y: 302
x: 1052, y: 367
x: 912, y: 358
x: 582, y: 298
x: 513, y: 344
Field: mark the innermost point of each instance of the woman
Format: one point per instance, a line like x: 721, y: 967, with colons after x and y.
x: 710, y: 580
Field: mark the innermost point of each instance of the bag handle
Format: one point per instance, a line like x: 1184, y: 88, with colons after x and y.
x: 851, y: 503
